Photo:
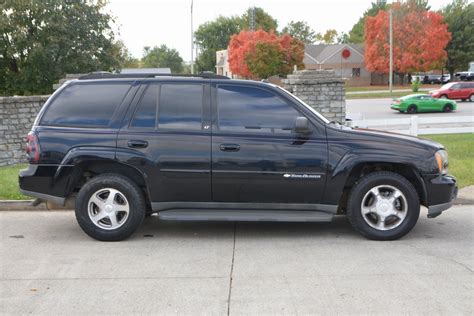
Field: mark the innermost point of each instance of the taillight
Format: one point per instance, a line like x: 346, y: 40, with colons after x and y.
x: 32, y: 148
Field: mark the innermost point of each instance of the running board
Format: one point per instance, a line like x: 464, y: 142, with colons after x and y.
x: 244, y: 215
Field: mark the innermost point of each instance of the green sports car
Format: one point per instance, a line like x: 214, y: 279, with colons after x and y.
x: 414, y: 103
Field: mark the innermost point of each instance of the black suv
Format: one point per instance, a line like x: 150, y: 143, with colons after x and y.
x: 209, y: 148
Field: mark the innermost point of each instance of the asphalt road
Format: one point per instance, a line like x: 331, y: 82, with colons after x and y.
x: 380, y: 108
x: 49, y: 266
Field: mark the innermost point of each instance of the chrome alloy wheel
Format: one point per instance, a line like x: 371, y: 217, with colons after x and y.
x: 108, y: 208
x: 384, y: 207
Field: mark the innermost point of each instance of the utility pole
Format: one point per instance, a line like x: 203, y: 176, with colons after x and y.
x: 390, y: 71
x: 192, y: 40
x: 252, y: 25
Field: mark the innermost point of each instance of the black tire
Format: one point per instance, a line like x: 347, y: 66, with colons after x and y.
x: 412, y: 109
x: 448, y: 108
x: 363, y: 186
x: 471, y: 98
x: 132, y: 193
x: 444, y: 96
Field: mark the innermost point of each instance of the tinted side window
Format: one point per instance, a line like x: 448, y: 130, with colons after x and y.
x: 145, y: 115
x: 180, y: 106
x: 88, y: 105
x: 247, y: 109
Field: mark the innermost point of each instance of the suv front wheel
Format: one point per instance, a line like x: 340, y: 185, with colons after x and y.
x: 383, y: 206
x: 110, y: 207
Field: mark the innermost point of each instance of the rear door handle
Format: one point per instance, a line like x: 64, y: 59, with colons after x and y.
x: 230, y: 147
x: 137, y: 144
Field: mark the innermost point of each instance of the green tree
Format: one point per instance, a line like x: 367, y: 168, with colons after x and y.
x: 213, y: 36
x: 267, y: 60
x: 459, y: 15
x: 41, y: 41
x: 301, y: 31
x: 263, y: 20
x: 162, y: 56
x: 329, y: 37
x: 356, y: 34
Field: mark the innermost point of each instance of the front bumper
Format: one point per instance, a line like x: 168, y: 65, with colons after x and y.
x: 442, y: 191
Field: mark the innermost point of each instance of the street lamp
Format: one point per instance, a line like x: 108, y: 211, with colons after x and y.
x: 390, y: 71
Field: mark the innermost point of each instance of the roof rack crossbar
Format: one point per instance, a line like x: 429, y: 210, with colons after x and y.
x: 108, y: 75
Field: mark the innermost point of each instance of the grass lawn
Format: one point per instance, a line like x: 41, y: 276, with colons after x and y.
x: 379, y: 95
x: 9, y: 183
x: 460, y: 148
x: 375, y: 88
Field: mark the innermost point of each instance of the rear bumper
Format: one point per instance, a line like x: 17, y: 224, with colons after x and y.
x: 442, y: 191
x: 41, y: 181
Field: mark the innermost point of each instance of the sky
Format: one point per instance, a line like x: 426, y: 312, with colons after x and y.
x: 142, y: 23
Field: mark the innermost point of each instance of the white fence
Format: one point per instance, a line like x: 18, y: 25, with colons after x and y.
x: 415, y: 125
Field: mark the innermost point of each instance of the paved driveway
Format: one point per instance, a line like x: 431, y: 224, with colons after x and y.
x: 49, y: 266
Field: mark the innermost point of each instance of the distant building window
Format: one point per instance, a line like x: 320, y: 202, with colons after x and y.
x: 355, y: 72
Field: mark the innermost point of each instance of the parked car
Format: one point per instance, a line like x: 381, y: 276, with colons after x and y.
x: 445, y: 78
x: 467, y: 76
x: 456, y: 91
x: 210, y: 148
x: 432, y: 79
x: 415, y: 103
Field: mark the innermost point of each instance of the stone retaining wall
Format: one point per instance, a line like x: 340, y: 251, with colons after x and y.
x: 321, y: 89
x: 17, y: 115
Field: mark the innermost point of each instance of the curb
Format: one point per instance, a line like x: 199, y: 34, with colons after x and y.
x: 25, y: 205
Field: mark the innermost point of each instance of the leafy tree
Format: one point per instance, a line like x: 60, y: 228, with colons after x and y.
x: 126, y: 59
x: 343, y: 38
x: 356, y: 34
x: 419, y: 39
x: 263, y: 20
x: 213, y: 36
x: 41, y: 41
x: 162, y: 56
x: 459, y: 15
x: 330, y: 37
x: 301, y: 31
x: 261, y: 54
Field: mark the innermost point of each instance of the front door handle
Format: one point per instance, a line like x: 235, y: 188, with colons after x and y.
x: 230, y: 147
x: 137, y: 144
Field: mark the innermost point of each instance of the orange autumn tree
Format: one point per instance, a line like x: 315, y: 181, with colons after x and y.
x: 419, y: 39
x: 260, y: 54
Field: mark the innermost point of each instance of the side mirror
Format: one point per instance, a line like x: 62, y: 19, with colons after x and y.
x: 302, y: 125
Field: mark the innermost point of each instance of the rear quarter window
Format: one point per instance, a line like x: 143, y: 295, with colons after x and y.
x: 85, y: 105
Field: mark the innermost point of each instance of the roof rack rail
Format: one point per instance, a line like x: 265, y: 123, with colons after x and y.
x: 109, y: 75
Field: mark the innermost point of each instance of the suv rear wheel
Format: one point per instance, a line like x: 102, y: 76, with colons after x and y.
x: 110, y: 207
x: 383, y: 206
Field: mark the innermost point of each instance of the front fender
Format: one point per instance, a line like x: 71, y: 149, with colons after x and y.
x: 341, y: 170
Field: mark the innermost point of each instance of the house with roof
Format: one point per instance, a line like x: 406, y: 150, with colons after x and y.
x: 222, y: 64
x: 347, y: 60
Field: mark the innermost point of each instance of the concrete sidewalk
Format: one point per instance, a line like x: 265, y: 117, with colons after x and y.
x: 49, y: 266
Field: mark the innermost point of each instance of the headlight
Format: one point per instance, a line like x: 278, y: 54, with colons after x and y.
x: 442, y: 161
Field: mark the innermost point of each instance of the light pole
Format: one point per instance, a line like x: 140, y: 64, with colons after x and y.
x: 192, y: 40
x: 390, y: 71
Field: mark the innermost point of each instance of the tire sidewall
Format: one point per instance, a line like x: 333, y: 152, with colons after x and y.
x: 410, y: 220
x: 412, y: 109
x: 128, y: 189
x: 448, y: 108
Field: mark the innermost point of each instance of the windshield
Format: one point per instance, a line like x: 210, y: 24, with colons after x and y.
x: 447, y: 86
x: 325, y: 120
